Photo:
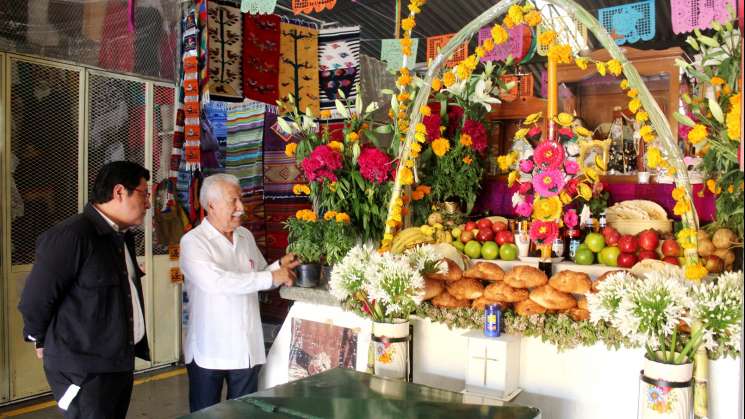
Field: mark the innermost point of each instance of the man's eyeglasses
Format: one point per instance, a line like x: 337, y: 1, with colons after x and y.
x: 143, y: 191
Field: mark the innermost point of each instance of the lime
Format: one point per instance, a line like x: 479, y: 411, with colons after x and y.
x: 472, y: 249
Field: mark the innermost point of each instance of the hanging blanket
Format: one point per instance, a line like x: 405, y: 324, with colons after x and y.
x: 261, y: 57
x: 338, y: 63
x: 224, y: 29
x: 298, y: 69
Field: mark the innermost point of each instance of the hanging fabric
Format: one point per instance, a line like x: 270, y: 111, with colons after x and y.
x: 224, y: 29
x: 518, y: 45
x: 309, y: 6
x: 629, y: 23
x: 191, y: 92
x: 687, y: 15
x: 298, y: 69
x: 261, y: 39
x: 255, y: 7
x: 338, y: 64
x: 391, y: 53
x: 435, y: 43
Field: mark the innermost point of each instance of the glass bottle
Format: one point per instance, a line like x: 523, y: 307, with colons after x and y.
x: 573, y: 242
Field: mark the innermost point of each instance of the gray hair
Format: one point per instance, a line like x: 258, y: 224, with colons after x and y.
x: 211, y: 187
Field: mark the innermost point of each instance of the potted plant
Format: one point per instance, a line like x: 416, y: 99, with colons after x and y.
x: 338, y: 239
x: 305, y: 240
x: 386, y: 288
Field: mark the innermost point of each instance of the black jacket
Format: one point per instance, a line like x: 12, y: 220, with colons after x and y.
x: 77, y: 303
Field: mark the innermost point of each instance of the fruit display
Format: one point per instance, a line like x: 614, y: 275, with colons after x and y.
x: 408, y: 238
x: 611, y: 248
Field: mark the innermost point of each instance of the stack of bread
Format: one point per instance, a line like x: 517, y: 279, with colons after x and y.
x: 636, y: 215
x: 525, y: 288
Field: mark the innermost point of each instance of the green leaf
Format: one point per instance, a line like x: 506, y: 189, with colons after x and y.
x: 341, y: 94
x: 372, y: 107
x: 343, y: 111
x: 683, y: 119
x: 373, y: 139
x: 386, y: 91
x: 708, y: 41
x: 716, y: 110
x: 358, y: 105
x: 692, y: 42
x: 383, y: 129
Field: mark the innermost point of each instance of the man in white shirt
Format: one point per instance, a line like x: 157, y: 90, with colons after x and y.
x: 224, y: 270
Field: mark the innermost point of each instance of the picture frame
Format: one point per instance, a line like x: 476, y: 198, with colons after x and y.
x: 589, y: 149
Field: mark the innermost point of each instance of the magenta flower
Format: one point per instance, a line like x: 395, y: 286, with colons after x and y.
x: 525, y: 208
x: 526, y: 165
x: 549, y: 155
x: 570, y: 218
x: 543, y: 232
x: 525, y: 188
x: 478, y: 134
x: 548, y: 182
x: 375, y: 165
x: 571, y: 167
x: 321, y: 163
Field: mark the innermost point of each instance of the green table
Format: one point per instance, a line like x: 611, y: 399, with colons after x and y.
x: 344, y: 393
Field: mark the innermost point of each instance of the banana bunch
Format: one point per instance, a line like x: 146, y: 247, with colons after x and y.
x: 443, y: 236
x: 409, y: 237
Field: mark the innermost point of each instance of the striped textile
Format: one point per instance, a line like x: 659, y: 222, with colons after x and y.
x: 338, y: 63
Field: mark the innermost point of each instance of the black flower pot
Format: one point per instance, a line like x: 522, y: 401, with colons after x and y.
x: 308, y: 275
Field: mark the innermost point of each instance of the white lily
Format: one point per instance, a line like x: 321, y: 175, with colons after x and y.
x: 457, y: 89
x: 481, y: 94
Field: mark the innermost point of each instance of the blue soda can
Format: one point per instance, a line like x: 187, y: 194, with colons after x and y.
x: 492, y: 320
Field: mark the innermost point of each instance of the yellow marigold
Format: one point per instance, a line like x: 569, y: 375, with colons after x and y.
x: 290, y: 149
x: 647, y: 133
x: 416, y: 148
x: 507, y: 22
x: 405, y: 42
x: 562, y: 54
x: 425, y: 110
x: 653, y: 157
x: 436, y: 84
x: 488, y: 44
x: 329, y: 215
x: 515, y: 13
x: 448, y: 79
x: 414, y: 8
x: 711, y: 185
x: 547, y: 38
x: 581, y: 62
x: 466, y: 140
x: 521, y: 133
x: 731, y: 188
x: 406, y: 51
x: 717, y: 81
x: 600, y: 67
x: 471, y: 62
x: 336, y: 146
x: 420, y: 137
x: 440, y: 146
x: 687, y: 238
x: 511, y: 178
x: 565, y: 198
x: 678, y: 193
x: 499, y: 34
x: 633, y: 92
x: 352, y: 137
x: 583, y: 132
x: 480, y: 51
x: 407, y: 177
x: 403, y: 80
x: 462, y: 71
x: 504, y: 162
x: 408, y: 24
x: 300, y: 189
x: 614, y: 67
x: 733, y: 118
x: 564, y: 119
x: 585, y: 191
x: 342, y: 217
x: 467, y: 160
x: 420, y: 127
x: 325, y: 114
x: 533, y: 18
x: 697, y: 134
x: 695, y: 271
x: 547, y: 209
x: 409, y: 163
x: 642, y: 116
x: 533, y: 118
x: 387, y: 237
x: 624, y: 84
x: 634, y: 105
x: 403, y: 96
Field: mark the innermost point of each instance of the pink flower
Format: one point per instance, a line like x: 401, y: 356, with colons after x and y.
x: 525, y: 188
x: 566, y: 133
x: 571, y: 167
x: 571, y: 188
x: 432, y: 122
x: 549, y: 155
x: 543, y: 232
x: 321, y: 163
x: 525, y: 208
x: 570, y: 218
x: 478, y: 134
x: 548, y: 182
x: 526, y: 165
x: 534, y: 133
x: 375, y: 165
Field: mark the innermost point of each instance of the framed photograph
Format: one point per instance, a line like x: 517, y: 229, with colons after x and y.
x: 589, y: 150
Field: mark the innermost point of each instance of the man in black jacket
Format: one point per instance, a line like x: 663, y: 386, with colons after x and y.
x: 82, y: 304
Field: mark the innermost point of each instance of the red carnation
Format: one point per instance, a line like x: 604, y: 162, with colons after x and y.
x: 321, y: 163
x: 375, y: 165
x: 455, y: 116
x: 477, y: 132
x: 432, y: 122
x: 571, y: 186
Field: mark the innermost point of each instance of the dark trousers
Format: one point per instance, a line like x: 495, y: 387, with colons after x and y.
x: 104, y: 395
x: 205, y: 385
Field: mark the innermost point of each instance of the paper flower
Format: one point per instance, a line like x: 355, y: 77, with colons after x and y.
x: 548, y: 183
x: 526, y: 165
x: 549, y: 155
x: 547, y: 209
x: 570, y: 218
x: 543, y: 232
x: 571, y: 167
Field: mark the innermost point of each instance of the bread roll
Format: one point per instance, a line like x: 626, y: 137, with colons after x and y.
x: 454, y: 272
x: 502, y: 292
x: 432, y: 288
x: 582, y: 302
x: 572, y: 282
x: 485, y: 270
x: 579, y: 314
x: 481, y: 302
x: 640, y: 269
x: 528, y: 307
x: 448, y: 301
x: 552, y: 299
x: 466, y: 288
x: 525, y: 277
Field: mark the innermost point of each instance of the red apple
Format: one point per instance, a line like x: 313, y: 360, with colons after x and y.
x: 648, y: 254
x: 648, y: 240
x: 498, y: 226
x: 612, y: 238
x: 607, y: 230
x: 670, y: 259
x: 484, y: 224
x: 628, y: 243
x: 626, y: 260
x: 504, y: 236
x: 485, y: 235
x: 466, y: 236
x: 469, y: 226
x: 670, y: 247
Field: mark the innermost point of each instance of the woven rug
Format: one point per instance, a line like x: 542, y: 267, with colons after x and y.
x: 298, y: 69
x: 224, y: 28
x: 261, y: 57
x: 339, y: 63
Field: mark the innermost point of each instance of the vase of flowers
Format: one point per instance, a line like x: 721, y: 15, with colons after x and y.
x: 305, y: 240
x: 665, y: 390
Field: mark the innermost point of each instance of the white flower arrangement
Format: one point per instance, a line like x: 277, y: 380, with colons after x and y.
x: 718, y: 306
x: 604, y: 304
x: 384, y: 286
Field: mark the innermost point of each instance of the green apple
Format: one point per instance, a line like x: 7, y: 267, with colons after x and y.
x: 584, y: 257
x: 595, y: 242
x: 489, y: 250
x: 609, y: 256
x: 472, y: 249
x: 458, y: 245
x: 508, y: 251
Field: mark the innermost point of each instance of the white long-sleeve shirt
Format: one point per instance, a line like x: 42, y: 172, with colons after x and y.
x: 222, y: 280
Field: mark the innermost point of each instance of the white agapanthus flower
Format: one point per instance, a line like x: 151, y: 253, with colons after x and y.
x: 392, y: 281
x: 603, y: 305
x: 426, y: 260
x: 718, y: 306
x: 348, y: 276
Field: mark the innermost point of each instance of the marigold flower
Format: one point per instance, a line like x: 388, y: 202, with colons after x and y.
x: 731, y: 188
x: 462, y: 71
x: 403, y: 96
x: 695, y: 271
x: 408, y: 24
x: 515, y: 13
x: 403, y: 80
x: 436, y: 84
x: 440, y: 146
x: 352, y: 137
x: 425, y: 110
x: 562, y: 54
x: 633, y: 92
x: 678, y: 193
x: 413, y: 8
x: 499, y: 34
x: 325, y: 114
x: 480, y: 51
x: 416, y: 148
x: 488, y: 44
x: 717, y: 81
x: 336, y: 146
x: 448, y: 79
x: 653, y: 157
x: 681, y: 207
x: 467, y: 160
x: 407, y: 177
x: 417, y: 195
x: 533, y: 18
x: 300, y: 189
x: 647, y: 133
x: 624, y: 84
x: 466, y: 140
x: 547, y: 38
x: 697, y: 134
x: 342, y: 217
x: 614, y: 67
x: 581, y: 62
x: 290, y: 149
x: 405, y: 42
x: 642, y: 116
x: 507, y: 22
x: 600, y: 67
x: 634, y: 105
x: 733, y: 118
x: 711, y: 185
x: 329, y: 215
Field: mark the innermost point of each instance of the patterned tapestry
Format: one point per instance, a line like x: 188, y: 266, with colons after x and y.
x: 244, y: 160
x: 224, y: 29
x: 298, y: 69
x: 261, y: 57
x: 338, y: 63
